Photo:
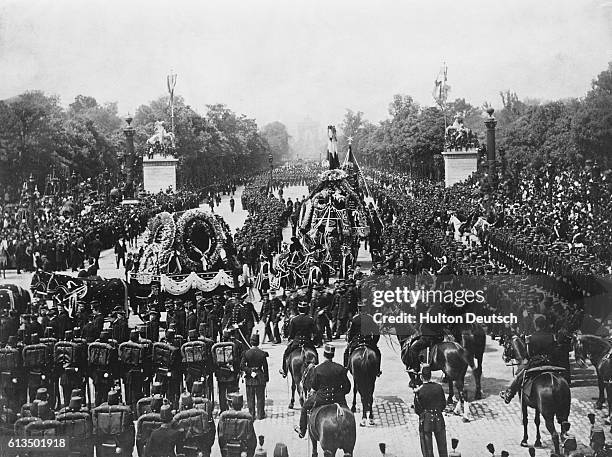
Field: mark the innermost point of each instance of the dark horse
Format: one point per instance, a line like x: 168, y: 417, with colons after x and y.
x: 598, y: 351
x: 14, y: 297
x: 298, y: 359
x: 362, y: 365
x: 453, y: 360
x: 109, y: 292
x: 474, y: 340
x: 331, y: 425
x: 546, y: 391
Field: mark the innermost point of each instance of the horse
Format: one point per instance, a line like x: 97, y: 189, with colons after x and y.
x: 362, y: 365
x: 453, y: 360
x: 598, y: 351
x: 109, y: 292
x: 17, y: 298
x: 474, y: 339
x: 547, y: 392
x: 296, y: 362
x: 332, y: 425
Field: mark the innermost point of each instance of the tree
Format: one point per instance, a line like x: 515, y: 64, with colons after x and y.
x: 277, y: 137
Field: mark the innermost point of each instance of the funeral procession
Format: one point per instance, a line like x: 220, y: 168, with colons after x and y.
x: 306, y: 228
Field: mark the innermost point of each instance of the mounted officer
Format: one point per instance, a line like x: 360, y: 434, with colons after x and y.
x: 103, y: 366
x: 330, y: 384
x: 235, y: 430
x: 363, y: 330
x: 302, y: 330
x: 430, y: 334
x: 254, y: 364
x: 540, y: 345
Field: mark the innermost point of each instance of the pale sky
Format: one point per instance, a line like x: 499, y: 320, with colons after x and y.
x: 291, y: 59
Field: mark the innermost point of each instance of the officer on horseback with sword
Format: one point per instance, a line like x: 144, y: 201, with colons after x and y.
x: 539, y: 347
x: 330, y: 384
x: 363, y: 330
x: 302, y: 330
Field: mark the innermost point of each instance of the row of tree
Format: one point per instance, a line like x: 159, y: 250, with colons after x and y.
x: 38, y: 134
x: 530, y: 132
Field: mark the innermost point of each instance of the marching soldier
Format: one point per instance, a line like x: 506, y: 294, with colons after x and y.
x: 70, y: 359
x: 363, y: 330
x: 147, y: 423
x: 330, y: 384
x: 301, y: 332
x: 12, y: 377
x: 52, y: 369
x: 226, y: 362
x: 164, y: 440
x: 113, y: 427
x: 199, y: 427
x: 235, y: 430
x: 196, y: 359
x: 254, y: 364
x: 103, y: 361
x: 429, y: 403
x: 167, y: 365
x: 132, y: 356
x: 36, y: 357
x: 75, y: 423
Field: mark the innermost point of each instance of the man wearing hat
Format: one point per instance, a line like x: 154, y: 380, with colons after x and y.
x: 235, y: 429
x: 363, y: 330
x: 429, y: 403
x: 330, y: 384
x: 302, y: 330
x: 164, y: 440
x: 12, y: 374
x: 539, y: 347
x: 254, y: 364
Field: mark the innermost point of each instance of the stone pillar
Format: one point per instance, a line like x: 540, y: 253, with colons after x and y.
x: 459, y: 165
x: 490, y: 123
x: 128, y: 131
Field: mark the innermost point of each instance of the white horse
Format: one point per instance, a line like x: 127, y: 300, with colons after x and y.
x: 161, y: 136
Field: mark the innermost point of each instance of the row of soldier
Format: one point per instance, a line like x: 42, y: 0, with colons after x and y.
x: 156, y: 429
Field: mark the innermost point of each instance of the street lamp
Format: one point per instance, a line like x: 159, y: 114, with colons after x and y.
x: 106, y: 175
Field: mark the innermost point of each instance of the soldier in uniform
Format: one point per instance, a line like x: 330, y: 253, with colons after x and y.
x: 36, y: 358
x: 120, y: 329
x: 196, y: 359
x: 429, y: 403
x: 164, y: 440
x: 113, y: 426
x: 70, y: 359
x: 198, y: 425
x: 539, y: 347
x: 12, y: 376
x: 330, y: 384
x: 167, y: 365
x: 226, y: 362
x: 254, y: 364
x: 132, y: 358
x: 236, y: 431
x: 147, y: 423
x: 302, y: 330
x: 430, y: 335
x: 75, y: 423
x: 103, y: 361
x: 363, y: 330
x: 52, y: 369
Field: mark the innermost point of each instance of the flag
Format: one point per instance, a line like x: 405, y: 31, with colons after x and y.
x: 332, y: 148
x: 441, y: 88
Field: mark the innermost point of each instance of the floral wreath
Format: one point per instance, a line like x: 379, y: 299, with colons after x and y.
x: 161, y: 230
x: 184, y: 229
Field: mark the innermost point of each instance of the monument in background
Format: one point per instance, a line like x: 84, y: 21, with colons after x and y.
x: 159, y: 162
x: 460, y: 152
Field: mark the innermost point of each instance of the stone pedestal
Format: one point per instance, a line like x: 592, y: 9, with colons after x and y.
x: 159, y: 173
x: 459, y: 165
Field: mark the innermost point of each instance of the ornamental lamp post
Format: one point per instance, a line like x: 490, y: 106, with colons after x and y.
x: 106, y: 176
x: 490, y: 124
x: 129, y: 131
x: 31, y: 187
